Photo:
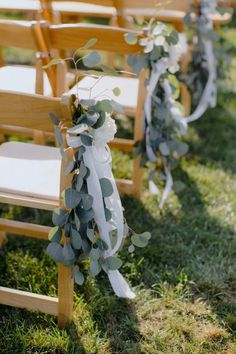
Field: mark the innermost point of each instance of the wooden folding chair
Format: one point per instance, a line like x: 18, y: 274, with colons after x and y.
x: 33, y: 176
x: 28, y: 79
x: 172, y: 11
x: 28, y: 8
x: 109, y: 39
x: 62, y: 11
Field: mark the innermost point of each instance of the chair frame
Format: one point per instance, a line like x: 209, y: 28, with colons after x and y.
x: 17, y: 108
x: 110, y: 39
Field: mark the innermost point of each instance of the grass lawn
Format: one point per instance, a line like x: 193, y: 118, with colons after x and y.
x: 185, y: 280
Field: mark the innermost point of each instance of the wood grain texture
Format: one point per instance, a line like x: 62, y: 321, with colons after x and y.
x: 27, y: 300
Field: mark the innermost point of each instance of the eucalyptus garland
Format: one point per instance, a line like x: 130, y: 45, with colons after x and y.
x: 165, y: 126
x: 90, y: 229
x: 209, y: 59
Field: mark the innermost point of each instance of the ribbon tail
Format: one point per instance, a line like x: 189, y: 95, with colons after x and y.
x: 120, y: 285
x: 168, y: 186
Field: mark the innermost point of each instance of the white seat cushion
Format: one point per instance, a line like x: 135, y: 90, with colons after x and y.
x: 21, y: 79
x: 103, y: 89
x: 73, y: 8
x: 30, y: 170
x: 22, y: 5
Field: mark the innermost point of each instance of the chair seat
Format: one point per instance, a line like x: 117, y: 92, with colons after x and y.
x: 21, y: 79
x: 30, y: 170
x: 19, y: 6
x: 167, y: 15
x: 83, y: 9
x: 128, y: 86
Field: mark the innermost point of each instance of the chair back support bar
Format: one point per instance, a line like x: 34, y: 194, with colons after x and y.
x: 28, y: 111
x: 17, y: 34
x: 73, y: 36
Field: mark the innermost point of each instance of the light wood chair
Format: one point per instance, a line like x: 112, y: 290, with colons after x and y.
x: 172, y: 11
x: 28, y: 79
x: 60, y: 11
x: 33, y: 176
x: 109, y: 39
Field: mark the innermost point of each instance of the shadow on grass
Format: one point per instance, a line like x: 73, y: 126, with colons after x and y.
x: 216, y: 135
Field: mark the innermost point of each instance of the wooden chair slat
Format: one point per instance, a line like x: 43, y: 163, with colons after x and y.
x: 30, y: 301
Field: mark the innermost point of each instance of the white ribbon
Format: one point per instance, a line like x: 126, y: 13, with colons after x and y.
x: 98, y: 160
x: 209, y: 95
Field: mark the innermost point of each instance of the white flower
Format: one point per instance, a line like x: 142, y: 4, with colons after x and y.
x: 175, y: 53
x: 158, y: 29
x: 106, y: 132
x: 160, y: 40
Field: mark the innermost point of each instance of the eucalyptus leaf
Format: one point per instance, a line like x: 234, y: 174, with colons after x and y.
x: 106, y: 187
x: 90, y: 234
x: 54, y: 119
x: 87, y: 201
x: 94, y: 268
x: 101, y: 244
x: 92, y: 59
x: 55, y: 234
x: 141, y: 240
x: 69, y: 168
x: 113, y: 263
x: 58, y: 135
x: 72, y: 198
x: 131, y: 38
x: 68, y: 254
x: 116, y: 91
x: 76, y: 239
x: 164, y: 149
x: 86, y: 139
x: 78, y: 276
x: 94, y: 254
x: 54, y: 250
x: 60, y: 217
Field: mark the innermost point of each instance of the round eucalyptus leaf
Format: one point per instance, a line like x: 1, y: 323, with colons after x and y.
x: 116, y: 91
x: 68, y: 254
x: 76, y: 239
x: 106, y: 187
x: 131, y: 38
x: 92, y: 59
x: 131, y: 249
x: 72, y: 198
x: 55, y: 234
x: 141, y: 240
x: 54, y: 250
x: 113, y: 263
x: 60, y: 217
x: 78, y: 276
x: 94, y: 268
x: 164, y: 149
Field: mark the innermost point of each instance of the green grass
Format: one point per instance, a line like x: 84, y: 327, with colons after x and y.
x: 185, y: 280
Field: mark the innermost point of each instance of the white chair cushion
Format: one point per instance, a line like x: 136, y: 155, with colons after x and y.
x: 21, y: 79
x: 103, y: 89
x: 73, y: 8
x: 22, y: 5
x: 30, y: 170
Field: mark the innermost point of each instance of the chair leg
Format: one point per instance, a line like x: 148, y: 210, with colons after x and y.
x: 3, y: 239
x: 137, y: 178
x: 65, y: 295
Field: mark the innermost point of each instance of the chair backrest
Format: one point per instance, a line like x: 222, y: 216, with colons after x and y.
x: 180, y: 5
x: 27, y: 35
x: 32, y: 111
x: 47, y: 6
x: 73, y: 36
x: 20, y: 34
x: 152, y: 7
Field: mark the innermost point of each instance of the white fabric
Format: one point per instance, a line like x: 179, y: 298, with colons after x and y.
x: 30, y: 170
x: 21, y: 79
x: 98, y: 160
x: 128, y: 86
